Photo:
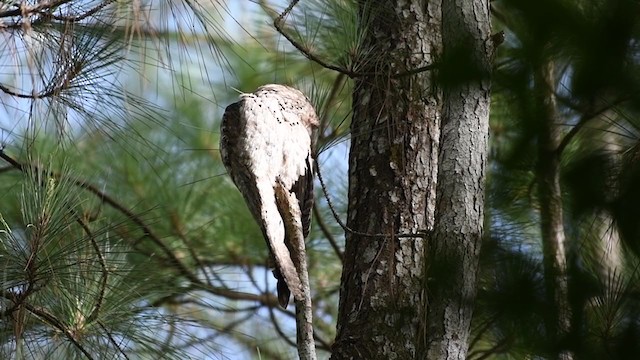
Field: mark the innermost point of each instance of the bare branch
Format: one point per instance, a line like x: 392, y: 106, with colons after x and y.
x: 304, y: 308
x: 278, y: 329
x: 419, y: 234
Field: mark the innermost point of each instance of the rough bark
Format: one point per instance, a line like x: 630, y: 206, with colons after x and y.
x: 550, y: 198
x: 454, y: 246
x: 392, y: 174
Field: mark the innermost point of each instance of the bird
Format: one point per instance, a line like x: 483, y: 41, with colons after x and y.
x: 267, y: 140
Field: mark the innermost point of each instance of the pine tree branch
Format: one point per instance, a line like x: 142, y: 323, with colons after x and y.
x: 586, y: 117
x: 500, y: 346
x: 48, y: 318
x: 482, y: 329
x: 46, y: 12
x: 55, y: 322
x: 148, y: 232
x: 113, y: 341
x: 324, y: 112
x: 279, y: 21
x: 81, y: 16
x: 265, y: 299
x: 23, y: 9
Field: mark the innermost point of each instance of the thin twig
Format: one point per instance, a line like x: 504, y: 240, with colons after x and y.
x: 104, y: 272
x: 327, y: 233
x: 491, y: 351
x: 584, y: 119
x: 64, y: 80
x: 482, y: 329
x: 290, y: 210
x: 278, y: 329
x: 113, y: 341
x: 8, y: 91
x: 175, y: 221
x: 23, y: 8
x: 248, y: 271
x: 79, y: 17
x: 420, y: 234
x: 277, y: 23
x: 324, y: 113
x: 55, y: 322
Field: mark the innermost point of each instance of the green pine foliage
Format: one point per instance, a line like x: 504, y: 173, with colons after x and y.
x: 122, y: 237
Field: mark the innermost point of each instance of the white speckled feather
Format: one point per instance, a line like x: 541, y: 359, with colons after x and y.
x: 267, y: 137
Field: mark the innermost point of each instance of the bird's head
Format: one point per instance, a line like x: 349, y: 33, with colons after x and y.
x: 295, y: 100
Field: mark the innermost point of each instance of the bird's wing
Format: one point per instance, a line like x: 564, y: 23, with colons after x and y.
x: 228, y: 134
x: 243, y: 140
x: 303, y: 189
x: 232, y: 154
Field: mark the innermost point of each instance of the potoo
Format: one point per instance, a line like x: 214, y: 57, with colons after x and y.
x: 266, y: 140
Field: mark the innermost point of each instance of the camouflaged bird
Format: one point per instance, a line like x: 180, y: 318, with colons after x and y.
x: 266, y: 139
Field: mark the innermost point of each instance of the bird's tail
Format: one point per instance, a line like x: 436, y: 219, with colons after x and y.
x: 285, y: 270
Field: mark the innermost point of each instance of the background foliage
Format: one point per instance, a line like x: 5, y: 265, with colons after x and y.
x: 121, y: 236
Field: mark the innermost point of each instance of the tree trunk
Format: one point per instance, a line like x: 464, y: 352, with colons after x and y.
x: 454, y: 246
x: 550, y: 195
x: 392, y: 176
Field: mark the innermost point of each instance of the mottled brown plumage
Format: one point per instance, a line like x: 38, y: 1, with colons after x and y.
x: 267, y: 137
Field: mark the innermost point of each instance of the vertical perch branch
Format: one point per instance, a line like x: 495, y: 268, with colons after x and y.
x: 290, y: 211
